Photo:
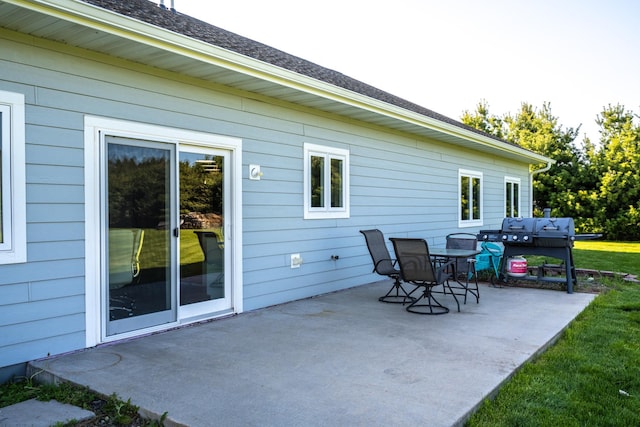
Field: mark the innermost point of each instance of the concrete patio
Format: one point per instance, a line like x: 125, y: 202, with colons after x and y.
x: 337, y: 359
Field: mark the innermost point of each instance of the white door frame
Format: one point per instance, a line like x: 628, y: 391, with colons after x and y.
x: 95, y: 320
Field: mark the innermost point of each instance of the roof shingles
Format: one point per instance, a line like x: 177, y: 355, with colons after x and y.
x: 151, y: 13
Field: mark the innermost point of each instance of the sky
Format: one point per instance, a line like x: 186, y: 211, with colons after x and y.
x: 578, y: 55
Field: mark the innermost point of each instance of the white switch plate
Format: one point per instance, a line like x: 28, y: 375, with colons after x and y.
x: 296, y: 260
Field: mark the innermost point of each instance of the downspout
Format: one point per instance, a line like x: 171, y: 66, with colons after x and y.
x: 531, y: 174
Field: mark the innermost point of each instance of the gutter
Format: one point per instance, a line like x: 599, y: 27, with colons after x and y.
x: 531, y: 174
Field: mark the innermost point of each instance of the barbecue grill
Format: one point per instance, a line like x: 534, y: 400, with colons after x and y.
x: 552, y: 237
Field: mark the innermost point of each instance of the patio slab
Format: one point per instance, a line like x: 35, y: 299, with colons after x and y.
x: 338, y: 359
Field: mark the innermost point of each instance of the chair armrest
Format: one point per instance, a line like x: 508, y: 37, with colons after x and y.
x: 442, y: 272
x: 393, y: 261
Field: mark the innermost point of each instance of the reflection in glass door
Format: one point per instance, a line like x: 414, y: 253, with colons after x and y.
x: 140, y: 248
x: 204, y: 287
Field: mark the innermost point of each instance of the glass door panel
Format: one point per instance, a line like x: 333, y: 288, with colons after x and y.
x: 140, y: 246
x: 204, y: 287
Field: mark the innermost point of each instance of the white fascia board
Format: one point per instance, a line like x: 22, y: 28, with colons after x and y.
x: 129, y: 28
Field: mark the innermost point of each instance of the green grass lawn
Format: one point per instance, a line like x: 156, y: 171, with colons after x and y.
x: 153, y: 253
x: 591, y: 376
x: 110, y: 410
x: 623, y: 257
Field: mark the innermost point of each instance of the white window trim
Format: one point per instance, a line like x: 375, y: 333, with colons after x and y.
x: 14, y: 248
x: 470, y: 222
x: 512, y: 180
x: 326, y: 212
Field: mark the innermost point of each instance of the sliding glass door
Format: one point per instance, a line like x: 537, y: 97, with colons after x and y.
x: 139, y: 217
x: 204, y: 286
x: 165, y: 252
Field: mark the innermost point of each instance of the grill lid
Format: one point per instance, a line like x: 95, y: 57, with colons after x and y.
x: 555, y: 227
x: 531, y: 231
x: 517, y: 230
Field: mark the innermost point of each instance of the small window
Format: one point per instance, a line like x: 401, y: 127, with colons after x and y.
x: 511, y: 197
x: 13, y: 235
x: 326, y: 182
x: 470, y: 192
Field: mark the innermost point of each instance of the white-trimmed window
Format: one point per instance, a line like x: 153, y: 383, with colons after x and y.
x: 13, y: 229
x: 326, y: 182
x: 470, y: 198
x: 511, y: 197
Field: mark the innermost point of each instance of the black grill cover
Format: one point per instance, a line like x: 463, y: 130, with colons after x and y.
x: 546, y: 232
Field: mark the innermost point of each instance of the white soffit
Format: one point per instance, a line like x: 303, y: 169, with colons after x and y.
x: 90, y: 27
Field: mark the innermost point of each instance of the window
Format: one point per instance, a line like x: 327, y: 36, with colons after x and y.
x: 511, y: 197
x: 470, y: 191
x: 326, y: 182
x: 13, y: 233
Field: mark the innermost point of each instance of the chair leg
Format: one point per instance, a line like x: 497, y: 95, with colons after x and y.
x: 432, y: 306
x: 446, y: 285
x: 397, y: 294
x: 471, y: 272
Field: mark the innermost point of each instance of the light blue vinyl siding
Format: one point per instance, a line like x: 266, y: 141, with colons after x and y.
x: 55, y: 193
x: 14, y: 293
x: 44, y: 251
x: 58, y: 288
x: 41, y: 347
x: 41, y: 329
x: 33, y: 311
x: 57, y: 268
x: 42, y: 154
x: 47, y: 232
x: 402, y: 185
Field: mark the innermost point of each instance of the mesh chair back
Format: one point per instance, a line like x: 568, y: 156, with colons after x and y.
x: 415, y: 262
x: 462, y: 241
x: 382, y: 261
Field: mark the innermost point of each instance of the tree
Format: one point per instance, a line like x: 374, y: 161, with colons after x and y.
x: 617, y: 164
x: 597, y: 185
x: 482, y: 120
x: 538, y: 131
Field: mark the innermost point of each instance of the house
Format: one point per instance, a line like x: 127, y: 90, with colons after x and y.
x: 159, y: 171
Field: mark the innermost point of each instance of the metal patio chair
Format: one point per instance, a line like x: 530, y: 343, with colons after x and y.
x: 384, y: 265
x: 418, y: 268
x: 465, y: 269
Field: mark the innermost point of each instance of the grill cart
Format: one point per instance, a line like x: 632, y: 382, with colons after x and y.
x: 552, y: 237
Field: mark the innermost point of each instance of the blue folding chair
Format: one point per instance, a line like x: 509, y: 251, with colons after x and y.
x: 489, y: 259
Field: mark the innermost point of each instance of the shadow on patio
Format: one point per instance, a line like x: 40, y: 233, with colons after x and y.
x: 338, y: 359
